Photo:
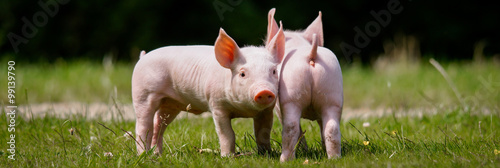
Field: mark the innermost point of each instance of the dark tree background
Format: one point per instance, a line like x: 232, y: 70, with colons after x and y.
x: 91, y: 29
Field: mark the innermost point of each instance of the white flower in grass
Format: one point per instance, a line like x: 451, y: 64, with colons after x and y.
x: 108, y: 154
x: 366, y: 124
x: 93, y: 138
x: 127, y: 135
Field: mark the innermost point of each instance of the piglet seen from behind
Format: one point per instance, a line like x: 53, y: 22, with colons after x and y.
x: 310, y: 87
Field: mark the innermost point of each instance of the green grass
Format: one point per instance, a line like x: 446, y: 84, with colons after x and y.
x: 408, y: 86
x: 77, y: 81
x: 451, y: 138
x: 396, y: 86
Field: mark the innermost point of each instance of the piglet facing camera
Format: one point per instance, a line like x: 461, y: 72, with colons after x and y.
x: 229, y: 81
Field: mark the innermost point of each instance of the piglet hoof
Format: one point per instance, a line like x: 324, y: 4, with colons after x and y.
x: 285, y: 158
x: 227, y: 155
x: 334, y: 157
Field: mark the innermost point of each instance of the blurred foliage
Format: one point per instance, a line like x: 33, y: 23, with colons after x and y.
x: 120, y: 29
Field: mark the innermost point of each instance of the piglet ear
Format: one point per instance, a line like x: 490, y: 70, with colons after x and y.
x: 272, y: 26
x: 277, y: 44
x: 316, y: 27
x: 226, y: 50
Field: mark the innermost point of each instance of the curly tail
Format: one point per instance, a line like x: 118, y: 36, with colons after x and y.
x: 314, y: 50
x: 142, y: 54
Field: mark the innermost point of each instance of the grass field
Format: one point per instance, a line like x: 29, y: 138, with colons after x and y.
x: 448, y: 139
x: 455, y: 131
x: 395, y: 86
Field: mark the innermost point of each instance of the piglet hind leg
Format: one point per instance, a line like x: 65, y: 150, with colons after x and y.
x: 262, y: 128
x: 162, y: 119
x: 291, y: 131
x: 330, y: 131
x: 303, y: 143
x: 320, y: 124
x: 145, y: 110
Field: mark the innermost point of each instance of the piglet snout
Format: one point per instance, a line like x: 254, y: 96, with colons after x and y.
x: 264, y: 97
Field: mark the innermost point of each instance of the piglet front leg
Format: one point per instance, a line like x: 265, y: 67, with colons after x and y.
x: 262, y: 128
x: 225, y: 132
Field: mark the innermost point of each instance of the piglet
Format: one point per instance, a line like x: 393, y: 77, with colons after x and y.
x: 310, y: 87
x: 224, y: 79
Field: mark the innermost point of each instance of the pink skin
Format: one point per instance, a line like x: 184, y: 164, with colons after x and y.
x: 310, y: 87
x: 210, y: 78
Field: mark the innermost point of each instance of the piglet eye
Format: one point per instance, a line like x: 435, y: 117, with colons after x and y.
x: 242, y: 74
x: 274, y: 72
